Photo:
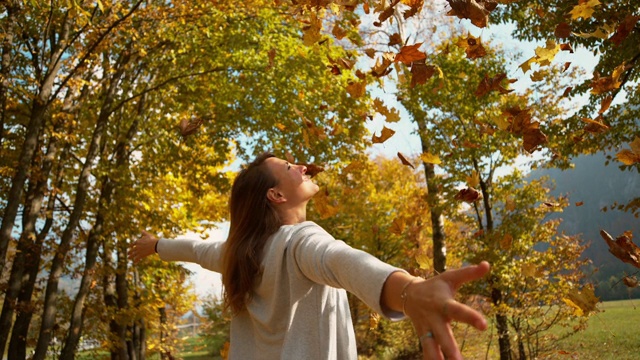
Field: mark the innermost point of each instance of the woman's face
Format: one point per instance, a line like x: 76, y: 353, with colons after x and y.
x: 294, y: 186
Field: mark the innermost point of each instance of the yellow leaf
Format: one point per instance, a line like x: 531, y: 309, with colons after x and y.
x: 628, y: 157
x: 584, y: 10
x: 356, y: 88
x: 397, y: 227
x: 385, y: 134
x: 584, y: 301
x: 430, y: 158
x: 473, y: 180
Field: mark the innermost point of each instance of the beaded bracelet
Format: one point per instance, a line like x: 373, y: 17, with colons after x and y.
x: 403, y: 294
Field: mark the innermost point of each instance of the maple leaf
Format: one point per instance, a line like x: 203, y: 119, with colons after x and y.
x: 414, y: 7
x: 623, y: 248
x: 492, y: 84
x: 356, y: 88
x: 520, y: 124
x: 584, y: 301
x: 630, y: 157
x: 385, y: 134
x: 421, y: 72
x: 584, y: 9
x: 370, y: 52
x: 394, y: 39
x: 472, y: 47
x: 602, y: 32
x: 409, y: 54
x: 468, y: 195
x: 476, y: 11
x: 338, y: 32
x: 381, y: 68
x: 600, y: 85
x: 473, y: 180
x: 313, y: 169
x: 323, y: 204
x: 624, y: 29
x: 405, y: 161
x: 189, y: 126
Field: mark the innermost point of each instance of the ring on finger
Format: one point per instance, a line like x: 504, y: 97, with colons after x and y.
x: 427, y: 335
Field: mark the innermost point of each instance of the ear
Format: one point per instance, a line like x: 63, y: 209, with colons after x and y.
x: 275, y: 196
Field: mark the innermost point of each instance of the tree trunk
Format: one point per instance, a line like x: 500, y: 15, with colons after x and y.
x: 437, y: 219
x: 503, y: 327
x: 36, y: 122
x: 5, y: 63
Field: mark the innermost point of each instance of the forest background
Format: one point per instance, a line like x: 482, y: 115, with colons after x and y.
x: 118, y: 116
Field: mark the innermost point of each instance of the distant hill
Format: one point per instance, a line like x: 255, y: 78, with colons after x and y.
x: 598, y: 186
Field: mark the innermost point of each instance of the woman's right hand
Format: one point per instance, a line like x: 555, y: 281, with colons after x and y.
x: 143, y: 247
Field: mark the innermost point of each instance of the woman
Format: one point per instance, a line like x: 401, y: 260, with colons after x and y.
x: 285, y: 277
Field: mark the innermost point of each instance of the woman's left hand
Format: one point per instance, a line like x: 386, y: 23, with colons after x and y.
x: 143, y: 247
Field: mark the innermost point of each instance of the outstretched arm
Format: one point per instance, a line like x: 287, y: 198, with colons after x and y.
x: 206, y: 253
x: 431, y: 306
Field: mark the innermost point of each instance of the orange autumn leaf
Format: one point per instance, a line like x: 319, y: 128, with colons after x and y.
x: 520, y: 123
x: 468, y: 195
x: 476, y: 11
x: 421, y: 72
x: 472, y: 47
x: 385, y: 134
x: 595, y: 126
x: 623, y: 248
x: 606, y: 103
x: 601, y: 85
x: 410, y: 53
x: 492, y: 84
x: 630, y: 156
x: 563, y: 30
x: 579, y: 203
x: 356, y: 88
x: 324, y: 205
x: 405, y: 161
x: 313, y: 169
x: 397, y: 226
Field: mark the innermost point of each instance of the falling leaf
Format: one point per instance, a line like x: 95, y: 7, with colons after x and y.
x: 630, y: 281
x: 271, y: 54
x: 370, y: 53
x: 468, y: 195
x: 421, y: 72
x: 381, y: 68
x: 566, y: 66
x: 338, y: 32
x: 397, y: 226
x: 594, y: 126
x: 190, y: 126
x: 584, y: 9
x: 567, y: 91
x: 429, y: 158
x: 476, y: 11
x: 600, y: 85
x: 510, y: 204
x: 563, y: 30
x: 405, y: 161
x: 492, y: 84
x: 584, y: 301
x: 409, y: 54
x: 472, y: 47
x: 394, y: 39
x: 549, y: 204
x: 385, y: 134
x: 623, y: 248
x: 603, y: 32
x: 520, y: 123
x: 506, y: 241
x: 313, y: 169
x: 530, y: 270
x: 566, y: 47
x: 473, y: 180
x: 579, y: 203
x: 290, y: 159
x: 624, y: 29
x: 323, y: 205
x: 356, y: 88
x: 606, y: 103
x: 630, y: 157
x: 374, y: 320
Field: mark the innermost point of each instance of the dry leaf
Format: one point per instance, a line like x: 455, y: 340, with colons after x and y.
x: 421, y: 72
x: 398, y: 226
x: 405, y: 161
x: 623, y: 248
x: 492, y: 84
x: 190, y: 126
x: 630, y: 157
x: 385, y: 134
x: 584, y: 301
x: 409, y: 54
x: 468, y: 195
x: 630, y: 281
x: 476, y: 11
x: 624, y: 29
x: 429, y: 158
x: 472, y: 47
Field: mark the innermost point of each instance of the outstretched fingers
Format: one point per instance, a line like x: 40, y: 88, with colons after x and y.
x: 466, y: 274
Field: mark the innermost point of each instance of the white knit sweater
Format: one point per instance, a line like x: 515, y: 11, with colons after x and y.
x: 299, y: 309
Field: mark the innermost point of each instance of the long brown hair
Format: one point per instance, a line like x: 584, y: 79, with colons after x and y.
x: 252, y: 221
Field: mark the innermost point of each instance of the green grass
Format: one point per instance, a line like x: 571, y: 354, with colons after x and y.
x: 613, y: 333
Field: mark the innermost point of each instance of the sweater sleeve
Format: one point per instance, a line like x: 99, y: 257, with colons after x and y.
x: 325, y: 260
x: 206, y: 253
